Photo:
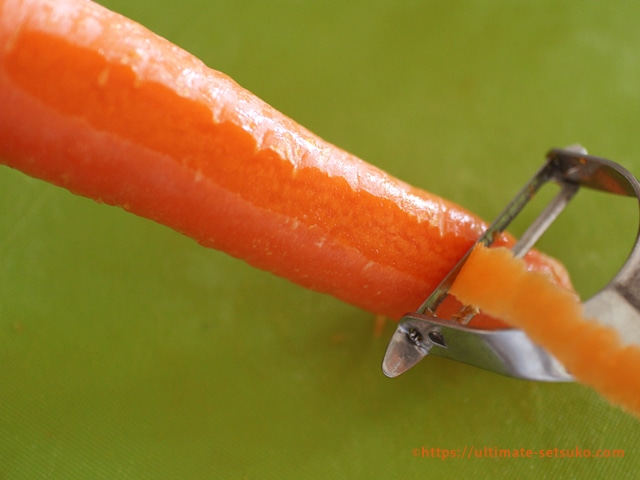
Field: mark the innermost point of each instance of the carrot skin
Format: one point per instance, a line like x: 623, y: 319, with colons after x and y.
x: 95, y: 103
x: 552, y: 317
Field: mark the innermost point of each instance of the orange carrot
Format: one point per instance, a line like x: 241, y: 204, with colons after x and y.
x: 93, y: 102
x: 552, y: 317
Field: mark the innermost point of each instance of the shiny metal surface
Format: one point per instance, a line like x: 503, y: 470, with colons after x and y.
x: 510, y: 352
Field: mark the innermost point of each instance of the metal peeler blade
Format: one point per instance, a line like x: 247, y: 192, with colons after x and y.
x: 510, y: 352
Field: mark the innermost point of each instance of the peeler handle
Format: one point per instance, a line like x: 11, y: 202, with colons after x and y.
x: 618, y: 304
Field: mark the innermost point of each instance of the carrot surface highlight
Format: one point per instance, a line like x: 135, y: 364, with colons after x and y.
x: 552, y: 317
x: 96, y: 103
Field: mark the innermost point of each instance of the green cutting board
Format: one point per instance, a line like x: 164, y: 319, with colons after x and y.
x: 127, y: 351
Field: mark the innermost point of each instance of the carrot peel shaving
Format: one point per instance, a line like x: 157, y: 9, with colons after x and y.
x: 552, y: 316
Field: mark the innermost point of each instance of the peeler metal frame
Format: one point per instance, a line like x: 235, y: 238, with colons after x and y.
x: 510, y: 351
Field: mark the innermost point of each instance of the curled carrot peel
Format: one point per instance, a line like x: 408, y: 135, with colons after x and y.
x: 95, y: 103
x: 552, y: 317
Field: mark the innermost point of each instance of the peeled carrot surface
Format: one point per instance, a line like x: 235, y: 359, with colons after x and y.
x: 552, y: 317
x: 95, y: 103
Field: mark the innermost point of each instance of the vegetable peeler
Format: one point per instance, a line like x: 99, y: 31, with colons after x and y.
x: 509, y: 351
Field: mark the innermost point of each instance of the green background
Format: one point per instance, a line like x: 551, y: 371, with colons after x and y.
x: 128, y: 351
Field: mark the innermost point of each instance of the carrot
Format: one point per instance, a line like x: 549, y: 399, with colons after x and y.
x: 552, y: 317
x: 95, y: 103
